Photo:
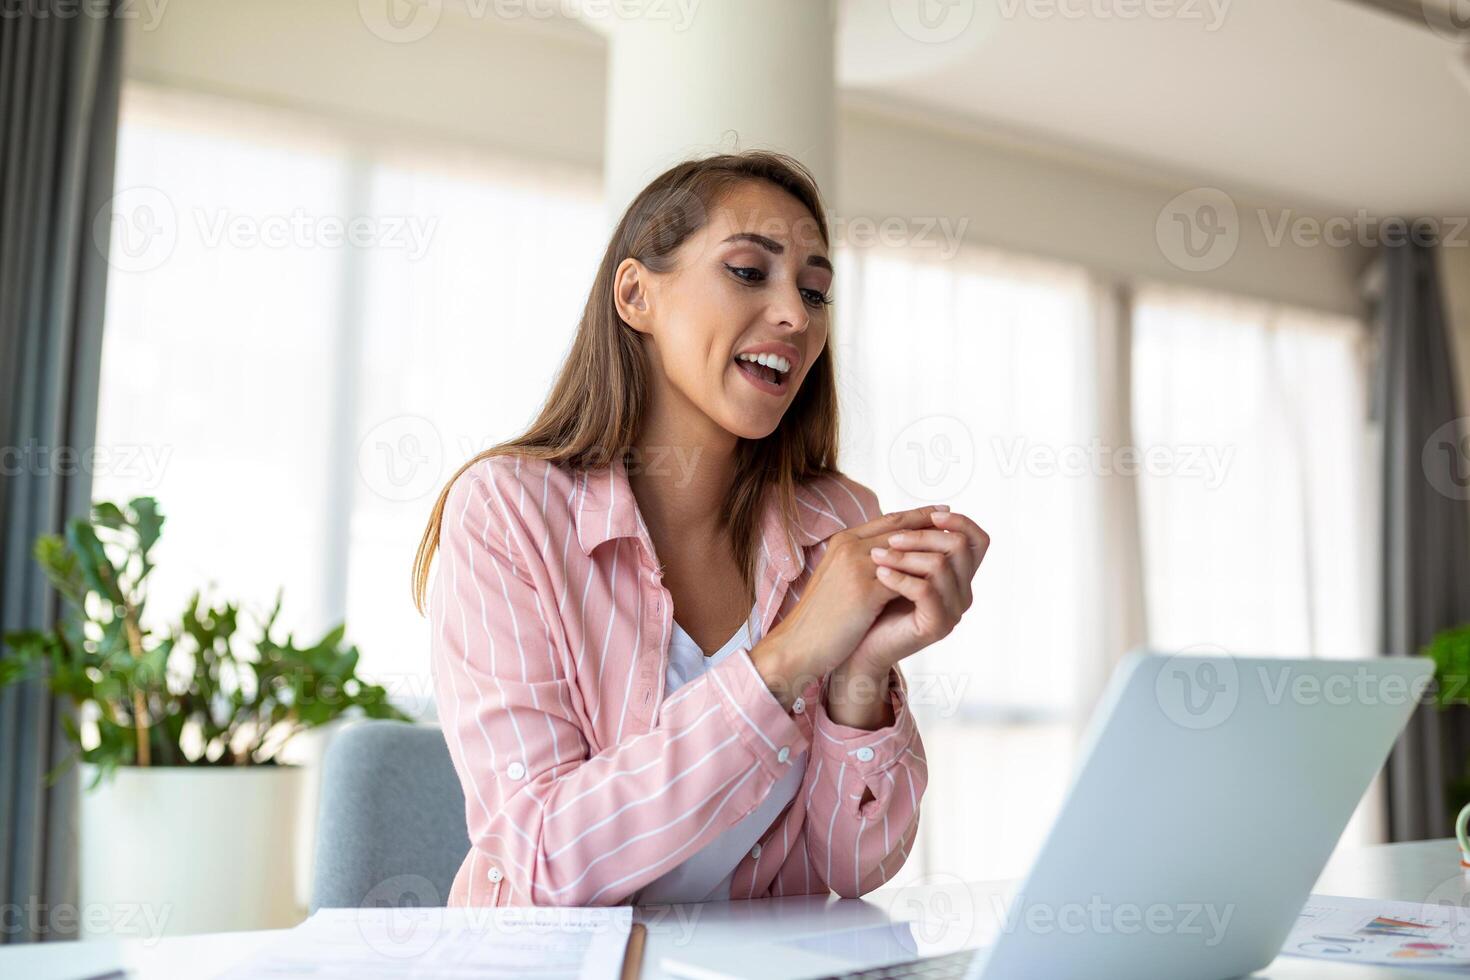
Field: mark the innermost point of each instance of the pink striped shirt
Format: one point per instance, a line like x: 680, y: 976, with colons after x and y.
x: 550, y: 636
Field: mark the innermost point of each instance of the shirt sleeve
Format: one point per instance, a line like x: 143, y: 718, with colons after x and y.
x: 549, y: 821
x: 850, y: 846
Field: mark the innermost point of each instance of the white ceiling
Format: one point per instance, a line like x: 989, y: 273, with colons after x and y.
x: 1312, y: 103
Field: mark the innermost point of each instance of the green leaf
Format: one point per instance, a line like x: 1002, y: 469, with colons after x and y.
x: 109, y: 515
x: 60, y: 567
x: 97, y: 570
x: 1450, y: 650
x: 150, y: 522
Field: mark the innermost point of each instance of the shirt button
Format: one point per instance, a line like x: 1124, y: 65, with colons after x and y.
x: 799, y: 705
x: 755, y: 852
x: 783, y: 755
x: 865, y: 754
x: 495, y: 874
x: 517, y: 771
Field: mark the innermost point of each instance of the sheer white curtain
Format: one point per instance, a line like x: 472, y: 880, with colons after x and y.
x: 1253, y: 516
x: 295, y: 398
x: 458, y: 352
x: 215, y: 367
x: 1257, y: 514
x: 970, y: 380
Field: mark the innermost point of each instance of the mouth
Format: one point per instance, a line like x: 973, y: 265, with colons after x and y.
x: 764, y: 377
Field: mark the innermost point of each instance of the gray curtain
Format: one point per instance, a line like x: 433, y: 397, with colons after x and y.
x: 1425, y: 585
x: 59, y: 82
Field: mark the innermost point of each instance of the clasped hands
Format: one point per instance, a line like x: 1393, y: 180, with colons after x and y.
x: 883, y: 591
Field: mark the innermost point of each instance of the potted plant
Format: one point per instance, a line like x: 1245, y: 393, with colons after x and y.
x: 1450, y: 650
x: 188, y: 818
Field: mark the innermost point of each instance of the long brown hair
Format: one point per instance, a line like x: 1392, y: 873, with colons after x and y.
x: 593, y: 412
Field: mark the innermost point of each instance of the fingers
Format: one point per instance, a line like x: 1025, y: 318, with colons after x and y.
x: 953, y: 545
x: 960, y: 526
x: 906, y: 525
x: 974, y: 533
x: 926, y: 539
x: 966, y: 539
x: 934, y: 565
x: 935, y: 611
x: 897, y: 520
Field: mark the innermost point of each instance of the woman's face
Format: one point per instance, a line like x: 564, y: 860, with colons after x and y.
x: 757, y: 275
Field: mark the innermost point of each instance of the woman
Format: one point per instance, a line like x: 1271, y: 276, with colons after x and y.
x: 665, y: 628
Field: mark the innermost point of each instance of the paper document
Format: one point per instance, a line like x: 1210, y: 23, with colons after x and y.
x: 490, y: 943
x: 1370, y: 930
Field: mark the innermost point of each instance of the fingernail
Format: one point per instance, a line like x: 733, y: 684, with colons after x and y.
x: 941, y: 506
x: 899, y: 538
x: 879, y: 552
x: 940, y: 515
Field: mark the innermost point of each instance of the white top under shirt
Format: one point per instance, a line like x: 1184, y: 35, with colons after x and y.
x: 705, y: 875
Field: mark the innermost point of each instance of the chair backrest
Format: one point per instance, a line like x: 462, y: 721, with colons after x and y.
x: 391, y: 820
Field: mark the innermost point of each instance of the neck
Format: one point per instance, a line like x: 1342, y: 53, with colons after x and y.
x: 680, y: 471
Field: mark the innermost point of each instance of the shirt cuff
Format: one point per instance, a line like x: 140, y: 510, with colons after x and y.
x: 870, y: 752
x: 756, y: 716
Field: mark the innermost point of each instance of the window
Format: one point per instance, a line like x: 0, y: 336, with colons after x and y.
x: 969, y: 380
x: 1257, y: 515
x: 306, y: 333
x: 1254, y: 506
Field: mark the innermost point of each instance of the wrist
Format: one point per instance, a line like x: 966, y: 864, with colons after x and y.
x: 774, y: 663
x: 858, y: 696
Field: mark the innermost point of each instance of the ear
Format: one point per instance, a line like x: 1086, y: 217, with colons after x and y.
x: 631, y: 284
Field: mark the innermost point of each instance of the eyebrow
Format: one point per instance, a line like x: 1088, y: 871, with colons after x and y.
x: 776, y: 248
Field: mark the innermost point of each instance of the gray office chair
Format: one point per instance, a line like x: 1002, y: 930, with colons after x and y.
x: 390, y: 824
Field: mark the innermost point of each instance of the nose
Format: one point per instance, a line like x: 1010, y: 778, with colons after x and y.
x: 790, y: 310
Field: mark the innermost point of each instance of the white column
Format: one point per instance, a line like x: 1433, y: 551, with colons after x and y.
x: 693, y: 77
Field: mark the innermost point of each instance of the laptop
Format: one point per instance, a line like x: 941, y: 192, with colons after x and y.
x: 1209, y: 793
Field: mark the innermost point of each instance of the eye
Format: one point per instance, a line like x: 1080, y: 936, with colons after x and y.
x: 746, y: 273
x: 751, y: 275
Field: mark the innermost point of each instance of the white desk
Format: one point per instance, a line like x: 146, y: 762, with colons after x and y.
x: 1420, y: 871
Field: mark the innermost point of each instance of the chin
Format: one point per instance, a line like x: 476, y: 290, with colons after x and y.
x: 751, y: 428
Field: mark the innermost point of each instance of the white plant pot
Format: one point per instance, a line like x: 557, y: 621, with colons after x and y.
x: 174, y: 850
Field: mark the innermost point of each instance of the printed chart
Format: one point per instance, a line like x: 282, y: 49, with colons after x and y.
x: 1366, y: 930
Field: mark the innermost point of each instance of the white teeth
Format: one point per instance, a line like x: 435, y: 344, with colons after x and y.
x: 769, y: 360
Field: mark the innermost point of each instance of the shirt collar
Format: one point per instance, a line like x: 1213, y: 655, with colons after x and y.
x: 605, y: 508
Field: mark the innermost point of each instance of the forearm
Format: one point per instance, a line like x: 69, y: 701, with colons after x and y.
x: 863, y: 793
x: 562, y: 830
